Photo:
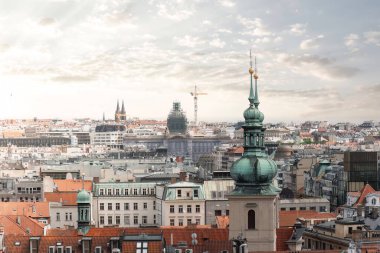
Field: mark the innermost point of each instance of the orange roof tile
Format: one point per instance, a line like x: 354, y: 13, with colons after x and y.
x: 21, y: 225
x: 66, y: 198
x: 283, y: 235
x: 288, y: 218
x: 367, y: 189
x: 72, y: 185
x: 30, y: 209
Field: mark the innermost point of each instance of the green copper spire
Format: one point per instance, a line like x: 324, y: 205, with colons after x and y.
x: 254, y: 171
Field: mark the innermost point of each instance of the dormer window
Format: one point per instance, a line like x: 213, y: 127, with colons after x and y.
x: 179, y: 193
x: 109, y: 191
x: 374, y: 201
x: 196, y: 193
x: 101, y: 192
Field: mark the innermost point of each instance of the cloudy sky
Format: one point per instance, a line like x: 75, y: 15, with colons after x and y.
x: 317, y: 60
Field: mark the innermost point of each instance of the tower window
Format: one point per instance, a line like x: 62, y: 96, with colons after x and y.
x: 251, y: 219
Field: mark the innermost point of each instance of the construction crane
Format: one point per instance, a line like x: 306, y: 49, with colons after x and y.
x: 195, y: 94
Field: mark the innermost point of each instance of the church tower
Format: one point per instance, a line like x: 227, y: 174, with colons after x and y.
x: 84, y: 210
x: 123, y: 114
x: 117, y: 112
x: 253, y: 202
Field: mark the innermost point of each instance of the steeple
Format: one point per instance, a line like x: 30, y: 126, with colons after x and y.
x: 117, y: 108
x: 254, y: 172
x: 122, y: 108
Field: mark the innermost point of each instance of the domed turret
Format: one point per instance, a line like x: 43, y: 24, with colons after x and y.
x: 254, y: 171
x: 83, y: 197
x: 177, y: 121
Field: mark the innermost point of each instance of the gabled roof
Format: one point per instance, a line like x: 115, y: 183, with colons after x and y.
x: 72, y: 185
x: 66, y: 198
x: 21, y: 225
x: 30, y: 209
x: 367, y: 189
x: 289, y: 218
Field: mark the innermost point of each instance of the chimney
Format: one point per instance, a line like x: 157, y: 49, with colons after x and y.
x: 173, y: 180
x: 182, y: 176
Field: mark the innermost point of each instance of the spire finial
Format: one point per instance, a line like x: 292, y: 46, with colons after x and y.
x: 251, y: 97
x: 256, y: 100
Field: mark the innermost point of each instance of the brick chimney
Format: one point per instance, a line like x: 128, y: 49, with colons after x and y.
x: 182, y: 176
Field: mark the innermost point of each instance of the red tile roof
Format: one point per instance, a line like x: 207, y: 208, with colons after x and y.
x: 21, y: 225
x: 283, y: 235
x: 30, y: 209
x: 66, y: 198
x: 72, y: 185
x: 288, y: 218
x: 367, y: 189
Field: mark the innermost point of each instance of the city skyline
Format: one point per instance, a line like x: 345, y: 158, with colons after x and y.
x: 74, y: 59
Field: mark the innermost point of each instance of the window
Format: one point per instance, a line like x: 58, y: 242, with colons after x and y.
x: 33, y: 246
x: 196, y: 193
x: 188, y: 209
x: 68, y: 249
x: 180, y: 222
x: 135, y: 206
x: 172, y: 209
x: 101, y: 206
x: 154, y: 219
x: 179, y: 193
x: 117, y: 192
x: 86, y: 246
x: 117, y: 206
x: 198, y: 221
x: 180, y: 208
x: 98, y: 249
x: 126, y: 206
x: 134, y: 191
x: 373, y: 201
x: 350, y: 230
x: 51, y: 249
x: 109, y: 206
x: 322, y: 209
x: 109, y: 191
x: 101, y: 192
x: 197, y: 208
x: 117, y: 219
x: 60, y: 249
x: 172, y: 222
x: 58, y: 218
x: 145, y: 206
x: 302, y: 208
x: 144, y: 219
x: 188, y: 222
x: 292, y: 209
x: 109, y: 220
x: 126, y: 220
x: 67, y: 216
x: 227, y: 212
x: 144, y: 191
x: 251, y: 219
x: 213, y: 194
x: 135, y: 219
x: 141, y: 247
x: 312, y: 208
x: 126, y: 191
x: 218, y: 212
x: 154, y: 205
x: 101, y: 220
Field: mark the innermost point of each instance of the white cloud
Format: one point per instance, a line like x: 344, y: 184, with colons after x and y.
x: 175, y: 10
x: 188, y: 41
x: 241, y: 41
x: 298, y: 29
x: 311, y: 43
x: 217, y: 43
x: 351, y: 40
x: 223, y: 30
x: 372, y: 37
x: 227, y: 3
x: 206, y: 22
x: 253, y: 27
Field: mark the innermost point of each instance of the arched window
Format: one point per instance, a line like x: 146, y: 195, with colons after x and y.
x: 374, y: 201
x: 251, y: 219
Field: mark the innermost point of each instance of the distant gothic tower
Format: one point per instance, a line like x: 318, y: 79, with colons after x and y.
x: 117, y: 112
x: 123, y: 115
x: 253, y: 202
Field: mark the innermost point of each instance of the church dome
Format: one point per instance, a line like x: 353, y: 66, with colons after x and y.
x: 253, y: 170
x: 177, y: 121
x: 252, y: 114
x: 83, y: 197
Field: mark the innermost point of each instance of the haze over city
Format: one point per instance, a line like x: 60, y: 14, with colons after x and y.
x: 69, y: 59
